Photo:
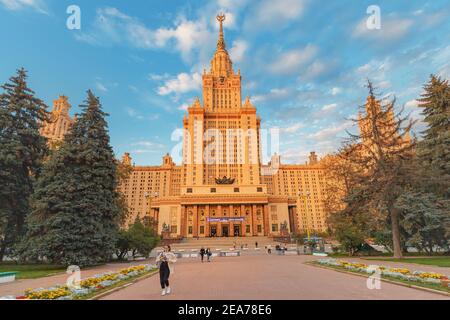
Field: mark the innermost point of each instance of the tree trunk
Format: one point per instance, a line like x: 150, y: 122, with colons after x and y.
x: 396, y: 234
x: 2, y: 250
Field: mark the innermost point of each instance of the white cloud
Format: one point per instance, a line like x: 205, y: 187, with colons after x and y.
x: 391, y: 29
x: 329, y: 107
x: 183, y: 107
x: 376, y: 71
x: 335, y: 91
x: 15, y: 5
x: 132, y: 113
x: 330, y: 132
x: 147, y: 146
x: 291, y: 61
x: 238, y: 50
x: 316, y: 69
x: 158, y: 77
x: 114, y: 26
x: 274, y: 94
x: 270, y: 13
x: 181, y: 84
x: 101, y: 87
x: 292, y: 128
x: 187, y: 35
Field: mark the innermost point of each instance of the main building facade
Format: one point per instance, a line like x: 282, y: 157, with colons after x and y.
x: 222, y: 188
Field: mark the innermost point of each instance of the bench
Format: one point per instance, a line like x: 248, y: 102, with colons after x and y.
x: 6, y: 277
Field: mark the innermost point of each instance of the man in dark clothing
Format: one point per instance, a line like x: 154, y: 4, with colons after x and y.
x: 256, y: 245
x: 202, y: 253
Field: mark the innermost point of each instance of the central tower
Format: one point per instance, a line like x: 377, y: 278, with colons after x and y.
x: 221, y: 137
x: 221, y: 86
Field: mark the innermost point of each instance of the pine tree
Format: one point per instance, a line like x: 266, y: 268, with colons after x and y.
x: 75, y: 214
x: 434, y: 149
x: 21, y: 154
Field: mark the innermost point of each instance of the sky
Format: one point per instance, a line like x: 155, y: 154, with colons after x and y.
x: 304, y: 63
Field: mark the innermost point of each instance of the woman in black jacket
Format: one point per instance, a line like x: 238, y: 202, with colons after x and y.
x: 164, y: 272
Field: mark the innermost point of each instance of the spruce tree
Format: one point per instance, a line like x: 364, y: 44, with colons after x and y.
x: 21, y: 154
x: 75, y: 214
x: 434, y: 149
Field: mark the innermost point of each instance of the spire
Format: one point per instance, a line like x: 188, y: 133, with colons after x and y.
x: 221, y: 42
x: 221, y: 64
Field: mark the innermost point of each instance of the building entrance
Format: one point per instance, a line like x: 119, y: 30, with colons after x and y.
x: 237, y: 230
x: 225, y: 231
x: 213, y: 232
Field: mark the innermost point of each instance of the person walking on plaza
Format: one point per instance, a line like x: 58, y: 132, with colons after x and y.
x: 202, y: 253
x: 269, y: 249
x: 208, y: 254
x: 256, y: 244
x: 162, y: 260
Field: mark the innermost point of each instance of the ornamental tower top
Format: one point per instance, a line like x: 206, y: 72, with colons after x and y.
x: 221, y: 64
x: 221, y: 85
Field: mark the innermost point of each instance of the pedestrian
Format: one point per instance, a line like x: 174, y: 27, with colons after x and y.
x: 208, y: 254
x: 202, y: 253
x: 162, y: 261
x: 256, y: 244
x: 169, y: 249
x: 269, y: 249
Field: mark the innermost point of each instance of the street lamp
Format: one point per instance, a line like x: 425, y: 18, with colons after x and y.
x: 305, y: 197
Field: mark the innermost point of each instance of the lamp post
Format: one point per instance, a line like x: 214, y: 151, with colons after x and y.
x: 305, y: 198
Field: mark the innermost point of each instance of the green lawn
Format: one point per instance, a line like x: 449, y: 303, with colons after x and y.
x: 31, y: 271
x: 431, y: 261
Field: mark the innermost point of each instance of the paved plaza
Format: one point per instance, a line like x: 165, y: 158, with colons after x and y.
x: 263, y: 277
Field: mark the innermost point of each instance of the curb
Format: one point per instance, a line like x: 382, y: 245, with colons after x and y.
x: 384, y: 280
x: 106, y: 293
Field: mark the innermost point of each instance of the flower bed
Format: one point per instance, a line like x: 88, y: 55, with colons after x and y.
x: 398, y: 273
x: 86, y: 287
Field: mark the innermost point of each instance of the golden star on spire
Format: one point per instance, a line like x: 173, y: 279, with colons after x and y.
x: 221, y: 43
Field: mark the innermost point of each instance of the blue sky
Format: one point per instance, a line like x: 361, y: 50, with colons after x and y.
x: 304, y: 62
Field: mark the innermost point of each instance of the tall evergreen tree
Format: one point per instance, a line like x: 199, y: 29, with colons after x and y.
x: 382, y: 153
x: 434, y: 149
x: 75, y: 205
x: 21, y: 154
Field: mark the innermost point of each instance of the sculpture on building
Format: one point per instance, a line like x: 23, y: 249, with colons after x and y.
x: 225, y: 180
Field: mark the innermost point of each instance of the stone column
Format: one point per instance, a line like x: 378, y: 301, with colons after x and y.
x: 207, y: 224
x: 254, y: 220
x: 231, y: 224
x: 243, y: 223
x: 266, y: 220
x: 219, y: 224
x: 183, y: 222
x: 195, y: 222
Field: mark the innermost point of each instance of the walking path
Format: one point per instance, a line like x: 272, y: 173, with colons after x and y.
x: 250, y: 276
x: 265, y: 278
